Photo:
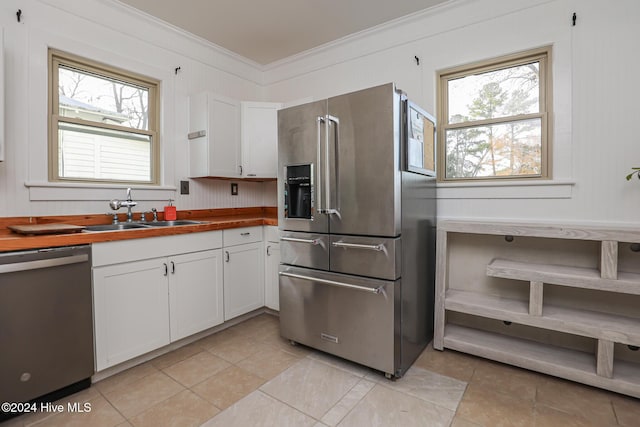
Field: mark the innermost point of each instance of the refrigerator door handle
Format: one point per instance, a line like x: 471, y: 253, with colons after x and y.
x: 318, y: 197
x: 379, y: 247
x: 296, y: 240
x: 378, y: 290
x: 327, y: 167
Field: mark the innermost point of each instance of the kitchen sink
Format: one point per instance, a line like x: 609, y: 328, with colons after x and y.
x: 115, y: 227
x: 138, y: 225
x: 171, y: 223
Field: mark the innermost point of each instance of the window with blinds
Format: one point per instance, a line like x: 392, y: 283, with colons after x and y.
x: 103, y: 123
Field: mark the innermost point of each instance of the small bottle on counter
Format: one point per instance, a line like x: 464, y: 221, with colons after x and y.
x: 170, y: 212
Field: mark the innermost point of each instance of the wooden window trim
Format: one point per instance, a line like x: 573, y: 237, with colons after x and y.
x: 542, y: 55
x: 55, y: 59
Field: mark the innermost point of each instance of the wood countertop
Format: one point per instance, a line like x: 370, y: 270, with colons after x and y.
x: 212, y: 219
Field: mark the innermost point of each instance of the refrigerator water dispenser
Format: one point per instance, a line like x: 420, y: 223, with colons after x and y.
x: 298, y: 198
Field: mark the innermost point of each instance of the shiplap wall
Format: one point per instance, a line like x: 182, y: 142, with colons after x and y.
x: 109, y: 32
x: 596, y: 92
x: 595, y: 95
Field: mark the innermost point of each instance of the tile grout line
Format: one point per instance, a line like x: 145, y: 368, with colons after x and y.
x: 356, y: 404
x: 114, y: 408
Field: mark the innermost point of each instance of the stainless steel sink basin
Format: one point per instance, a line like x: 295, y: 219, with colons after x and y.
x: 171, y: 223
x: 138, y: 225
x: 115, y: 227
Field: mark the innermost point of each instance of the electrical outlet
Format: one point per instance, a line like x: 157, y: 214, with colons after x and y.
x: 184, y: 187
x: 234, y: 188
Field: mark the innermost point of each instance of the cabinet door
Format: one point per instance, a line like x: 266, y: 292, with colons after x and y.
x: 195, y: 292
x: 259, y: 138
x: 131, y: 310
x: 217, y: 151
x: 243, y: 279
x: 272, y: 261
x: 224, y: 126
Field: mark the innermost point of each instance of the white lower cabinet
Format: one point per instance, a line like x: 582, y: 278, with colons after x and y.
x: 131, y: 311
x: 195, y: 292
x: 272, y: 263
x: 243, y: 271
x: 144, y: 304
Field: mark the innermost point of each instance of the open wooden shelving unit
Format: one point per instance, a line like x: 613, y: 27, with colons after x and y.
x: 481, y: 300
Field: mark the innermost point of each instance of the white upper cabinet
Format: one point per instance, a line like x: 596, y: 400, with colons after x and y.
x: 214, y: 136
x: 229, y: 139
x: 259, y: 139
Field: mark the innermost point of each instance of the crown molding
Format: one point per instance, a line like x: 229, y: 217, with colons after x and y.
x: 204, y: 51
x: 404, y: 30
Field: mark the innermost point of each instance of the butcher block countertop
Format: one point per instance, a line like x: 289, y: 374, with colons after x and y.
x: 213, y: 219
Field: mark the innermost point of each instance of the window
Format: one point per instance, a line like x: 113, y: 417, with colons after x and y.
x: 493, y: 118
x: 103, y: 123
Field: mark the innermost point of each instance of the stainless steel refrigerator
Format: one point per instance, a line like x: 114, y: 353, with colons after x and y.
x: 357, y: 220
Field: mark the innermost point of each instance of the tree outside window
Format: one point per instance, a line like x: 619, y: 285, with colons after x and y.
x: 493, y: 118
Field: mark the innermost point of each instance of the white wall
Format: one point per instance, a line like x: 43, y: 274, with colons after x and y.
x: 596, y: 95
x: 109, y: 32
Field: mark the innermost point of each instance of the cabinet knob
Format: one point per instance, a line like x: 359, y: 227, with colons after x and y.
x: 226, y: 256
x: 166, y: 268
x: 173, y: 267
x: 268, y: 250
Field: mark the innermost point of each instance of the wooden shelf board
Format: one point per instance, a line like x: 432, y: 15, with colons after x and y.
x: 546, y: 230
x: 578, y: 277
x: 620, y: 329
x: 559, y: 362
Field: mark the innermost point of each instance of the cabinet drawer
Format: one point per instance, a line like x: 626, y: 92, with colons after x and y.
x: 239, y: 236
x: 366, y: 256
x: 271, y: 233
x: 305, y: 249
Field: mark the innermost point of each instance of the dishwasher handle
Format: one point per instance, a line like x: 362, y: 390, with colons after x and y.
x: 43, y: 263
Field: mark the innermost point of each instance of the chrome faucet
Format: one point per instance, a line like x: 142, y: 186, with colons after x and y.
x: 129, y: 203
x: 116, y: 204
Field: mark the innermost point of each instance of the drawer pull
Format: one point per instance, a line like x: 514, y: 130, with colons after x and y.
x: 379, y: 247
x: 296, y: 240
x: 378, y: 290
x: 245, y: 234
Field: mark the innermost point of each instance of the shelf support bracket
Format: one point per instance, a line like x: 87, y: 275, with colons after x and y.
x: 535, y: 298
x: 609, y: 260
x: 604, y: 366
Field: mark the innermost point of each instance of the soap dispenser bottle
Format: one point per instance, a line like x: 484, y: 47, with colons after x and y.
x: 170, y: 212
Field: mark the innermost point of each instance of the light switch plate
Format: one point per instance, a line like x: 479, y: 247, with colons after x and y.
x: 234, y: 188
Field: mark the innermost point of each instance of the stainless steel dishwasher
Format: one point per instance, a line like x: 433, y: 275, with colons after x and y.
x: 46, y: 324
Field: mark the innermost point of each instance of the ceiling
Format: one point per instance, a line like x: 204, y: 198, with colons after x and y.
x: 265, y: 31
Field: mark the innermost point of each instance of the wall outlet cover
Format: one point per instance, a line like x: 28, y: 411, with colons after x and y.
x: 234, y: 188
x: 184, y: 187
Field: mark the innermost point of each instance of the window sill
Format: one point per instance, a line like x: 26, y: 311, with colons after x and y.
x: 66, y: 191
x: 533, y: 189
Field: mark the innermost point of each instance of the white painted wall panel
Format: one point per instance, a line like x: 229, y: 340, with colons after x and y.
x: 595, y: 102
x: 113, y: 34
x: 596, y: 94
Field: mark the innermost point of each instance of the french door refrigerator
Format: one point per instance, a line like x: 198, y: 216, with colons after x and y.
x: 357, y: 220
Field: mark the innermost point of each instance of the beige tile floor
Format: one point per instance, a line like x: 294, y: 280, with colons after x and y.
x: 248, y: 376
